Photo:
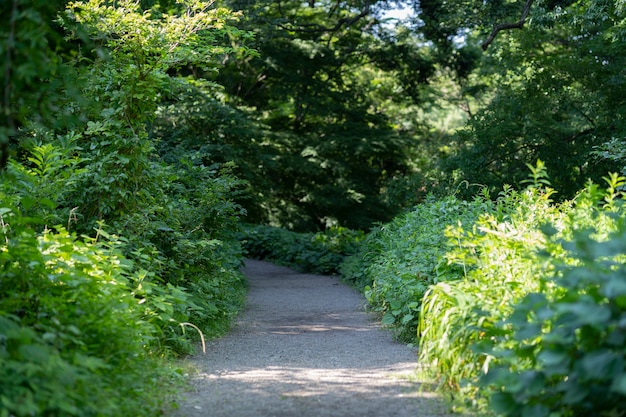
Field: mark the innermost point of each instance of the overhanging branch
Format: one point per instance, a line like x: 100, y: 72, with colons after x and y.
x: 506, y: 26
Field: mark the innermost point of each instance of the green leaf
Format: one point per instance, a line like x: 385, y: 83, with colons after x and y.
x: 598, y: 364
x: 503, y: 402
x: 407, y: 318
x: 619, y: 384
x: 615, y: 288
x: 573, y: 393
x: 35, y: 353
x: 536, y: 410
x: 388, y: 319
x: 586, y: 311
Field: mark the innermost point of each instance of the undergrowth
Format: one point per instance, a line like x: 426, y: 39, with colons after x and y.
x: 74, y: 339
x: 321, y: 252
x: 398, y: 261
x: 90, y: 320
x: 519, y: 301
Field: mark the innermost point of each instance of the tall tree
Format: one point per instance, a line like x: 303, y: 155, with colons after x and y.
x: 560, y: 88
x: 316, y: 85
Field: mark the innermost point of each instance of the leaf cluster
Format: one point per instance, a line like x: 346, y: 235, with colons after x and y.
x: 566, y: 355
x: 498, y: 256
x: 72, y: 334
x: 517, y: 306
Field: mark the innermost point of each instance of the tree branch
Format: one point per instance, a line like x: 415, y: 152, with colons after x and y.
x: 507, y: 26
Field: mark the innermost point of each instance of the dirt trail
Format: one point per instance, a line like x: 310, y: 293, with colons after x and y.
x: 305, y: 347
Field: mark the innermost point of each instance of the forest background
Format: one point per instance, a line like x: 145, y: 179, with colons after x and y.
x: 148, y: 146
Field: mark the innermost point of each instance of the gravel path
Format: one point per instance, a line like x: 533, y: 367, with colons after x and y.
x: 305, y: 347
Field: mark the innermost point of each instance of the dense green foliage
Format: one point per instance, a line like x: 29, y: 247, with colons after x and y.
x: 322, y: 122
x: 397, y: 262
x: 112, y: 258
x: 321, y: 252
x: 35, y: 74
x: 136, y: 137
x: 559, y: 90
x: 497, y: 254
x: 73, y: 334
x: 346, y: 118
x: 519, y: 301
x: 566, y: 356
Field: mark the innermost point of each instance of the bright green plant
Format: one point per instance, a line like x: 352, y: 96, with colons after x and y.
x: 505, y: 256
x: 135, y: 49
x: 83, y: 320
x: 46, y: 177
x: 567, y: 354
x: 498, y: 256
x: 73, y: 339
x: 177, y: 220
x: 397, y: 262
x: 185, y: 253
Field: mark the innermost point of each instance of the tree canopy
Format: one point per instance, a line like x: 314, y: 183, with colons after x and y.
x: 334, y: 114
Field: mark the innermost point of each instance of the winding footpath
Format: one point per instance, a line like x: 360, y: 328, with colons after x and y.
x: 305, y: 347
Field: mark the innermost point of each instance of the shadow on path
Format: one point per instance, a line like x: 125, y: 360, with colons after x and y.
x: 305, y: 347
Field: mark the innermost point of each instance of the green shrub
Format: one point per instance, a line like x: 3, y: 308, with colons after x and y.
x: 505, y: 256
x: 398, y: 261
x: 321, y: 252
x: 181, y: 238
x: 567, y: 355
x: 497, y: 255
x: 89, y: 309
x: 186, y: 243
x: 72, y: 335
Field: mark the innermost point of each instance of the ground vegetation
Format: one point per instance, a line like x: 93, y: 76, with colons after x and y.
x: 147, y: 146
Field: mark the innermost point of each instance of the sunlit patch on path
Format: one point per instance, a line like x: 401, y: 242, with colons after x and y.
x: 304, y: 347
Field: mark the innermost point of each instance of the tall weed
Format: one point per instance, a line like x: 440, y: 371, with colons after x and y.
x: 498, y: 254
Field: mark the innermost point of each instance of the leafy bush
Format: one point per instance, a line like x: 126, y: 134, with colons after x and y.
x: 193, y: 230
x: 87, y: 314
x: 497, y: 256
x: 567, y: 355
x: 186, y: 246
x: 45, y: 177
x: 463, y: 267
x: 563, y: 350
x: 398, y: 261
x: 183, y: 244
x: 320, y: 252
x: 505, y: 261
x: 72, y: 335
